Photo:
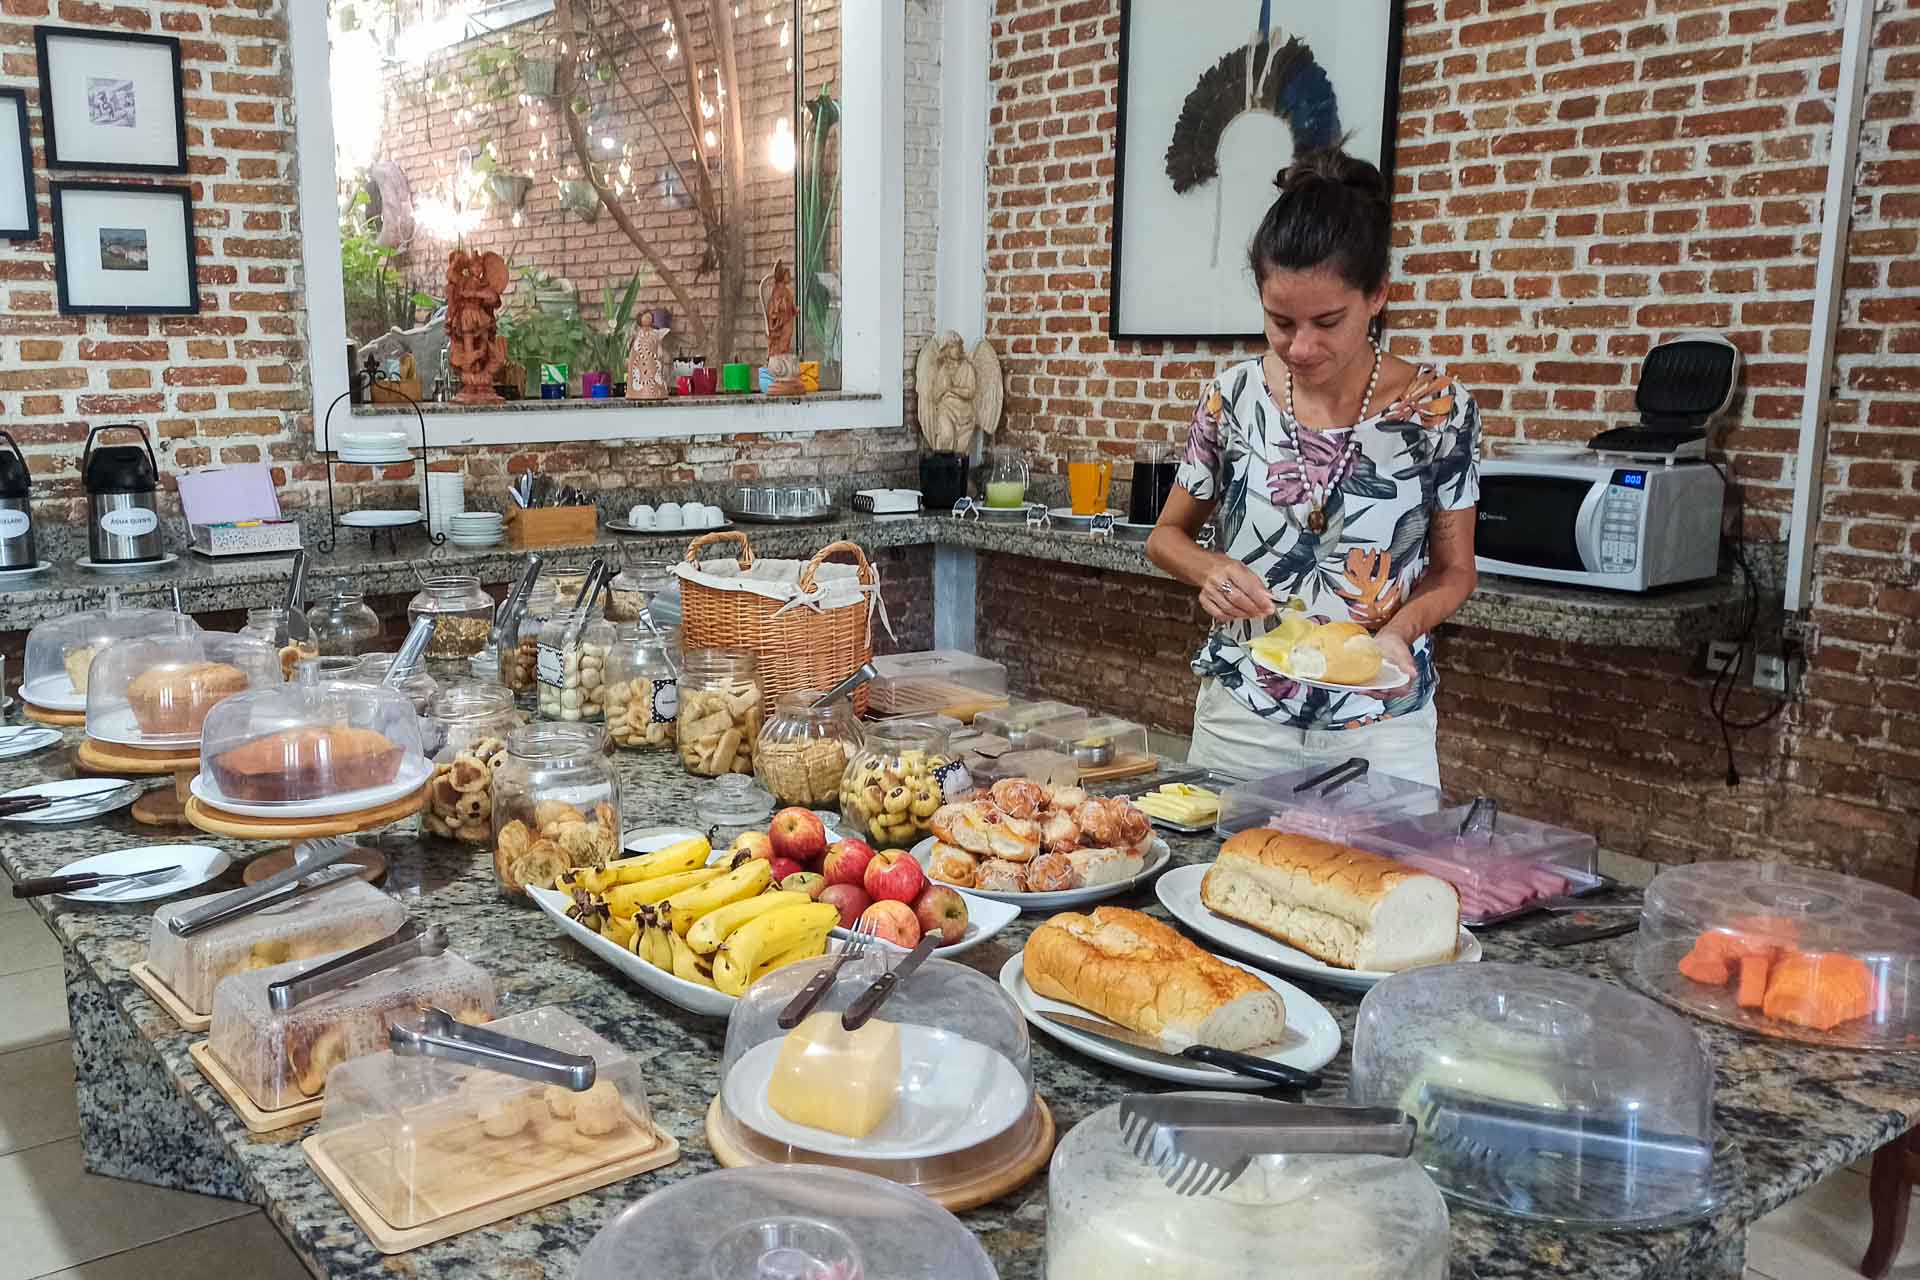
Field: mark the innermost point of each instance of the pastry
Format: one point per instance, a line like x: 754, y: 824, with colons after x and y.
x: 1339, y: 653
x: 1052, y: 872
x: 305, y: 764
x: 996, y: 875
x: 77, y: 662
x: 503, y: 1115
x: 952, y: 865
x: 596, y: 1112
x: 560, y: 1101
x: 1103, y: 866
x: 177, y: 699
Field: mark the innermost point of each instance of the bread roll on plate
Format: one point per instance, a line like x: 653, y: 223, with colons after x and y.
x: 1344, y: 907
x: 1145, y: 975
x: 1339, y: 653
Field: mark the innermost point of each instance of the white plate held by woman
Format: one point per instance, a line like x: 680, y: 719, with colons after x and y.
x: 1390, y: 677
x: 1179, y: 893
x: 1059, y: 899
x: 198, y: 864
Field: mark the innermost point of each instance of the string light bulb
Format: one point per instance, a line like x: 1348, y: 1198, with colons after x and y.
x: 780, y: 150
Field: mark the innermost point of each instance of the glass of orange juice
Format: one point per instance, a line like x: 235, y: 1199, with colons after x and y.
x: 1089, y: 482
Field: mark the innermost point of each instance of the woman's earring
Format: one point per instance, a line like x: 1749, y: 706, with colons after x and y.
x: 1376, y: 328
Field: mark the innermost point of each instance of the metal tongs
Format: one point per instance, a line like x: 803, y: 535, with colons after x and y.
x: 440, y: 1035
x: 408, y: 942
x: 1202, y: 1143
x: 506, y: 623
x: 316, y: 864
x: 597, y: 576
x: 1333, y: 779
x: 845, y: 689
x: 1481, y: 819
x: 295, y: 605
x: 411, y: 649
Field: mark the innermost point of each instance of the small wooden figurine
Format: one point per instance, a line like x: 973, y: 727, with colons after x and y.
x: 475, y: 349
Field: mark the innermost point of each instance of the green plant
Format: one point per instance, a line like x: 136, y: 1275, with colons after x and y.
x: 536, y: 336
x: 607, y: 345
x: 379, y: 296
x: 819, y: 197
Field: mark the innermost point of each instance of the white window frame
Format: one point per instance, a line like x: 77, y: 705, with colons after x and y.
x: 872, y: 268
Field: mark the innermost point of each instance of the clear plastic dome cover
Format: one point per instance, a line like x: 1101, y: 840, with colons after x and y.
x: 1546, y: 1095
x: 786, y: 1223
x: 940, y: 1077
x: 158, y: 691
x: 61, y: 650
x: 1496, y: 872
x: 1786, y: 951
x: 313, y: 740
x: 1330, y: 809
x: 1110, y: 1217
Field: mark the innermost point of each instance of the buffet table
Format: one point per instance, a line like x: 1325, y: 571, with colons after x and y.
x: 1795, y: 1113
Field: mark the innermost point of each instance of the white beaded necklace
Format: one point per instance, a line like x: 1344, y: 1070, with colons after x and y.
x: 1366, y: 403
x: 1316, y: 514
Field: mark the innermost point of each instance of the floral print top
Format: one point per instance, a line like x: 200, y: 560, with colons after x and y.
x: 1376, y: 484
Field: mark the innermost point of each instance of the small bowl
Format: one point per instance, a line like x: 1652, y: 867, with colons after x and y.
x: 1093, y: 753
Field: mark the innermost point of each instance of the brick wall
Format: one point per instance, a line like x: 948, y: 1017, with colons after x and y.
x: 1575, y: 181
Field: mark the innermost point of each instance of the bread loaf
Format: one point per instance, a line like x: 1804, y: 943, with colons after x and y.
x: 1143, y: 974
x: 177, y: 699
x: 305, y: 764
x: 1344, y: 907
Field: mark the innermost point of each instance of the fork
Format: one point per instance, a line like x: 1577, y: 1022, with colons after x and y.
x: 852, y: 947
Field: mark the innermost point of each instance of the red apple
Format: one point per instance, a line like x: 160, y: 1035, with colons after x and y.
x: 942, y: 908
x: 808, y: 882
x: 851, y: 899
x: 784, y: 867
x: 798, y: 834
x: 847, y: 861
x: 892, y: 922
x: 894, y: 877
x: 757, y: 843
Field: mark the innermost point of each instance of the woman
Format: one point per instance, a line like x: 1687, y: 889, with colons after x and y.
x: 1343, y: 476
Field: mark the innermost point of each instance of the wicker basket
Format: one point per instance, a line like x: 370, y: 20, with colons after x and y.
x: 800, y: 648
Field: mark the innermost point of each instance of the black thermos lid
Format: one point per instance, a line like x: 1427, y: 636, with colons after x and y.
x: 119, y: 468
x: 15, y: 480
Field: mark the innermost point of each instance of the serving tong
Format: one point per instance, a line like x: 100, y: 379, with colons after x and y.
x: 506, y: 623
x: 438, y: 1034
x: 1202, y: 1143
x: 847, y: 687
x: 1331, y: 780
x: 411, y: 650
x: 408, y: 942
x: 316, y: 864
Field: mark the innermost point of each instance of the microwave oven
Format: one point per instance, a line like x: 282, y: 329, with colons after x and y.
x: 1591, y: 520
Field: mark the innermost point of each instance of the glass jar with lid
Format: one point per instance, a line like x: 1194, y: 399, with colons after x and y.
x: 464, y: 609
x: 519, y: 653
x: 731, y: 804
x: 904, y: 772
x: 571, y: 665
x: 556, y: 804
x: 419, y: 687
x: 642, y: 688
x: 720, y: 711
x: 272, y: 624
x: 632, y: 590
x: 342, y: 623
x: 804, y: 750
x: 467, y: 726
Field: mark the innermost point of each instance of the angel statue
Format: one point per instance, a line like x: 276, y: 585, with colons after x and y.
x: 960, y: 391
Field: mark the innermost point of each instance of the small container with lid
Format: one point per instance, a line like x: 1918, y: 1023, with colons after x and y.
x: 1334, y: 809
x: 419, y: 687
x: 1093, y: 742
x: 159, y: 691
x: 730, y: 804
x: 347, y: 745
x: 633, y: 589
x: 720, y: 711
x: 464, y: 609
x: 1048, y: 768
x: 60, y: 651
x: 937, y: 682
x: 1545, y: 1095
x: 556, y: 804
x: 1786, y: 951
x: 804, y: 750
x: 572, y: 664
x: 1016, y: 720
x: 1497, y: 872
x: 905, y: 771
x: 274, y: 625
x: 470, y: 722
x: 519, y: 654
x: 642, y: 700
x: 342, y: 623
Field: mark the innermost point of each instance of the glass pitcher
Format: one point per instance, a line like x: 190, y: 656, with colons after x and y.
x: 1007, y: 478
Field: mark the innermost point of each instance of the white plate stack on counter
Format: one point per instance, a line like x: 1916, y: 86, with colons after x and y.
x: 476, y: 528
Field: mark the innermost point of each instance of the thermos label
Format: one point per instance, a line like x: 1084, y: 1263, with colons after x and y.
x: 129, y: 522
x: 13, y: 523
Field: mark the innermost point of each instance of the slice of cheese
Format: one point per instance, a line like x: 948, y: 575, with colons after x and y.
x: 845, y: 1082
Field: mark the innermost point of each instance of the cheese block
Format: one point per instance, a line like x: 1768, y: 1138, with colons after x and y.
x: 845, y: 1082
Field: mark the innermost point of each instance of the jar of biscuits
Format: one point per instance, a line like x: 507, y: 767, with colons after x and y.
x: 275, y: 625
x: 903, y: 774
x: 556, y: 805
x: 719, y: 711
x: 803, y: 750
x: 571, y: 664
x: 643, y: 689
x: 632, y: 590
x: 464, y: 609
x: 520, y: 652
x: 468, y: 725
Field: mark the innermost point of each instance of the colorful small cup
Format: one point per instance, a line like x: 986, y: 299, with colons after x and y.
x: 810, y: 375
x: 706, y: 381
x: 595, y: 385
x: 683, y: 385
x: 736, y: 378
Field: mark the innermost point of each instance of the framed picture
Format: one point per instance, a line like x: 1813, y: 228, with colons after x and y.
x: 1215, y: 99
x: 111, y: 100
x: 19, y: 211
x: 124, y: 250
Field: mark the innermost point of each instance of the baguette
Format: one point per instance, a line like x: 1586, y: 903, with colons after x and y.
x: 1344, y: 907
x: 1143, y: 974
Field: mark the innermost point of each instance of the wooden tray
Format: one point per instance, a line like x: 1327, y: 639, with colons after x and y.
x: 552, y: 526
x: 58, y: 719
x: 93, y: 756
x: 964, y: 1180
x: 221, y: 823
x: 256, y: 1119
x: 373, y: 865
x: 1122, y: 767
x: 536, y: 1174
x: 163, y: 995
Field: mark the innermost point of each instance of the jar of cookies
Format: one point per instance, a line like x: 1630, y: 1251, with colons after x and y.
x: 719, y: 711
x: 464, y: 609
x: 342, y: 623
x: 571, y: 664
x: 275, y: 625
x: 632, y: 590
x: 803, y: 750
x: 468, y: 724
x: 520, y: 652
x: 642, y: 689
x: 903, y: 774
x: 556, y: 804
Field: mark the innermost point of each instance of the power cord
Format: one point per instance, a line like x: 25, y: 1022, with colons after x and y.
x: 1720, y: 696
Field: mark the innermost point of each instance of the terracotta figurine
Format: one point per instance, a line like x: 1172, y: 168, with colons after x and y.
x: 475, y: 349
x: 776, y: 300
x: 647, y: 367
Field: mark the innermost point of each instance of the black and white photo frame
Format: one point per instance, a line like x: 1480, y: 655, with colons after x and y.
x: 111, y: 100
x: 122, y: 249
x: 19, y: 209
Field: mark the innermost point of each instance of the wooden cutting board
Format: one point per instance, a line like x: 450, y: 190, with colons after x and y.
x: 227, y: 1085
x: 167, y: 998
x: 58, y: 719
x: 221, y: 823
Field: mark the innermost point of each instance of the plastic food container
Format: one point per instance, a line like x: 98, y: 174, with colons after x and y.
x: 1092, y: 743
x: 470, y: 722
x: 337, y: 918
x: 464, y: 609
x: 158, y: 692
x: 720, y: 711
x: 937, y: 682
x: 1049, y: 768
x: 903, y: 774
x: 282, y: 1059
x: 340, y: 744
x: 642, y: 689
x: 804, y: 750
x: 1786, y: 951
x: 1110, y: 1216
x: 571, y: 665
x: 1498, y: 873
x: 423, y: 1138
x: 808, y: 1223
x: 1015, y: 721
x: 60, y: 651
x: 556, y: 804
x: 1327, y: 811
x: 1546, y: 1096
x: 285, y: 633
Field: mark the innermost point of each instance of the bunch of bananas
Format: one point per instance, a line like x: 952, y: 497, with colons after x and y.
x: 722, y: 926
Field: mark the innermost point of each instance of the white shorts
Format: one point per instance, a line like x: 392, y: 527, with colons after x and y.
x: 1228, y: 736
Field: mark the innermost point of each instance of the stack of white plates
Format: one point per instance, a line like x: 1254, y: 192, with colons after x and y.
x: 475, y: 528
x: 446, y: 493
x: 366, y: 444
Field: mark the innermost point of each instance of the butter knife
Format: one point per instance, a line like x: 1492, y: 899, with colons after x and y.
x: 868, y: 1002
x: 1243, y: 1064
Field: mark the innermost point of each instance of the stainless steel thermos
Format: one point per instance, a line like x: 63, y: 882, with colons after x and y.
x: 16, y: 509
x: 123, y: 524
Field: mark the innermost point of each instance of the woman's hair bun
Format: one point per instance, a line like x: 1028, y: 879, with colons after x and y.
x: 1330, y: 164
x: 1333, y: 210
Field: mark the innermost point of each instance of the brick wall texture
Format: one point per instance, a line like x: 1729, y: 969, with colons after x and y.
x: 1575, y: 181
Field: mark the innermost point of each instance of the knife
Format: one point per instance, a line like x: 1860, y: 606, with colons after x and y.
x: 868, y: 1002
x: 1243, y: 1064
x: 44, y: 885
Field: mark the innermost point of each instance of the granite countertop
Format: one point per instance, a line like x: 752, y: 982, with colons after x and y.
x: 1678, y: 618
x: 1795, y: 1113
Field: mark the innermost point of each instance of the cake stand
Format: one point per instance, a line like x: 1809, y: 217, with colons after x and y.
x: 219, y: 822
x: 157, y: 808
x: 58, y: 719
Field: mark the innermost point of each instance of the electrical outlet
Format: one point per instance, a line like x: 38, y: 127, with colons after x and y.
x: 1770, y: 672
x: 1722, y: 654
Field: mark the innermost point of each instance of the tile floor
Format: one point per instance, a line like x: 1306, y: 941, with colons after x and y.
x: 58, y: 1221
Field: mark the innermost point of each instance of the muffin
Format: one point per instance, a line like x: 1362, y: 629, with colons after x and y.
x: 169, y: 700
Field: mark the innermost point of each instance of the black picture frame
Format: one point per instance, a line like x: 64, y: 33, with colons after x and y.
x: 1390, y: 101
x: 62, y: 251
x: 49, y: 121
x: 30, y: 229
